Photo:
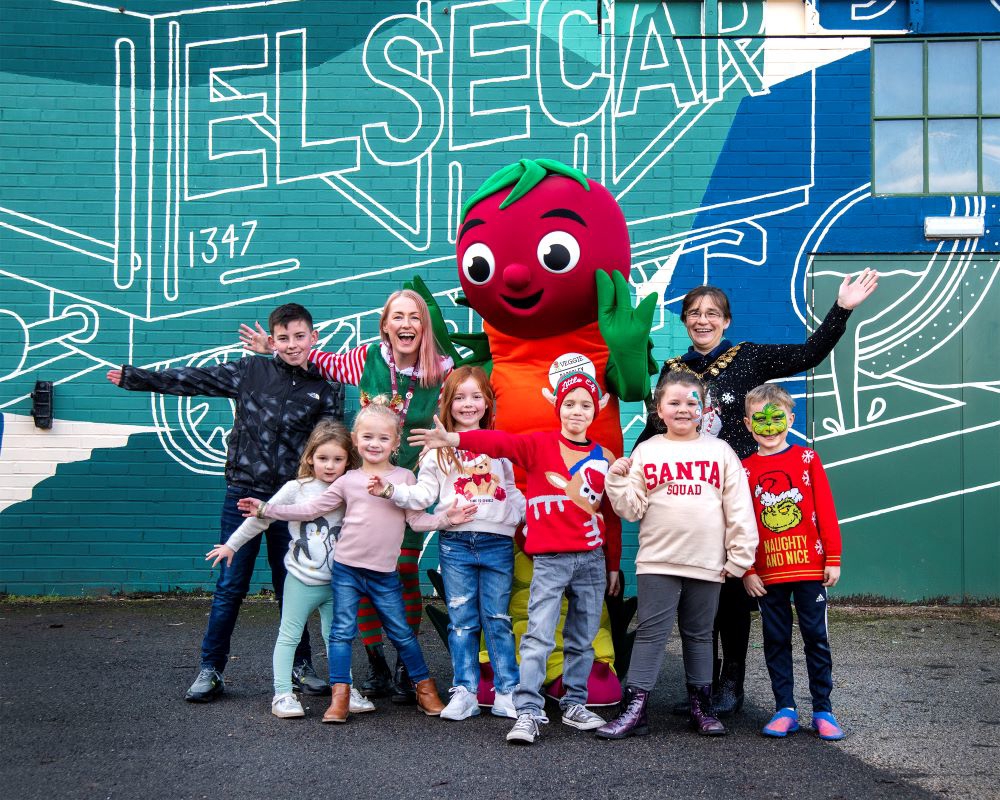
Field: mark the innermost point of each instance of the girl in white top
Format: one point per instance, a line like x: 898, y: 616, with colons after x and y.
x: 477, y: 558
x: 696, y: 527
x: 309, y: 560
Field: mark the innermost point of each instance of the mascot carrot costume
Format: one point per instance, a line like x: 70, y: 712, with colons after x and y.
x: 544, y: 257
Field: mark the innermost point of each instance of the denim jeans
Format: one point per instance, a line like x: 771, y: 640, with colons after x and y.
x: 234, y: 582
x: 349, y: 585
x: 776, y: 622
x: 477, y: 569
x: 582, y: 577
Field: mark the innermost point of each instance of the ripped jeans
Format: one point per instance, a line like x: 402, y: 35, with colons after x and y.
x: 477, y: 569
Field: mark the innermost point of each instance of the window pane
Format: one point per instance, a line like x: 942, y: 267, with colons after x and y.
x: 952, y: 157
x: 951, y: 78
x: 899, y: 70
x: 991, y: 155
x: 991, y: 81
x: 899, y: 157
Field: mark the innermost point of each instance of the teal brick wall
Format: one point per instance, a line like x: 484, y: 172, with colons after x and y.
x: 170, y: 170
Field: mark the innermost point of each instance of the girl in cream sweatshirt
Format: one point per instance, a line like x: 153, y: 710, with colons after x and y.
x: 696, y: 526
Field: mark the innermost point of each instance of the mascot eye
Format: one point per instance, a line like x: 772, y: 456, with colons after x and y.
x: 478, y: 263
x: 558, y: 251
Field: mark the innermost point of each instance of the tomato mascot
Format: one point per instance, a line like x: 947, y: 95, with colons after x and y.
x: 544, y: 257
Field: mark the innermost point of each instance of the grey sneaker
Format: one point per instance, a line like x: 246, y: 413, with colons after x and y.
x: 577, y: 716
x: 525, y: 730
x: 206, y: 687
x: 305, y: 679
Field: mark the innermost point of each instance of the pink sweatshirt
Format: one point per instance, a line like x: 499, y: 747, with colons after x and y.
x: 372, y: 531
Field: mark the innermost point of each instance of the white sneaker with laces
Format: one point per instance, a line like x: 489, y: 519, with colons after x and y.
x: 359, y: 703
x: 286, y: 706
x: 503, y: 706
x: 579, y: 717
x: 463, y: 704
x: 525, y: 730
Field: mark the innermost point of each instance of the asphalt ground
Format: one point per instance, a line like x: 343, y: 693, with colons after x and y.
x: 91, y: 707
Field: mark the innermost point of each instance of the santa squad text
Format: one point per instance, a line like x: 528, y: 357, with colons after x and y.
x: 704, y: 471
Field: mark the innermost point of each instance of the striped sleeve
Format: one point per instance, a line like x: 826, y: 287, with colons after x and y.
x: 344, y: 367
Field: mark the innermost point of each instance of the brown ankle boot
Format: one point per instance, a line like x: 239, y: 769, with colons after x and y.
x: 340, y: 702
x: 427, y: 697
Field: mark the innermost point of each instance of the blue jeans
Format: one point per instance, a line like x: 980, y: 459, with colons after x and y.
x: 582, y: 578
x: 776, y: 622
x: 234, y: 582
x: 477, y: 569
x: 349, y: 585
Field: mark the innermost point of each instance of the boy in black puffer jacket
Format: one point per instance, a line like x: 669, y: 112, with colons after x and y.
x: 278, y: 402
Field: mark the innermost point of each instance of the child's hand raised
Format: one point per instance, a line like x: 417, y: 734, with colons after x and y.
x: 377, y: 487
x: 254, y: 339
x: 115, y: 376
x: 219, y: 552
x: 248, y: 505
x: 459, y: 516
x: 433, y: 438
x: 754, y: 585
x: 621, y: 467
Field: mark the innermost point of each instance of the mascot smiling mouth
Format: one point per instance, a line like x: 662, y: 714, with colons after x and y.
x: 523, y: 303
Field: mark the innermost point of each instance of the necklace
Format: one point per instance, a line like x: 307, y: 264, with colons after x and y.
x: 401, y: 404
x: 676, y: 365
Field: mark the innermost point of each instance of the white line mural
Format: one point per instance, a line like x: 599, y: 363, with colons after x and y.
x: 243, y: 155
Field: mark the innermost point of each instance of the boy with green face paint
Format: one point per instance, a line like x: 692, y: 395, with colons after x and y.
x: 798, y: 558
x: 769, y: 421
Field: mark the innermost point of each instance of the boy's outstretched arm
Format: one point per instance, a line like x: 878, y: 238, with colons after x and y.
x: 220, y: 380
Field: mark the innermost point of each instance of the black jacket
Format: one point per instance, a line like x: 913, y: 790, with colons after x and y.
x: 753, y: 365
x: 277, y: 407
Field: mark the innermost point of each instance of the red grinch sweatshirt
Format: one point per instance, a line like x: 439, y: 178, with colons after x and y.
x: 796, y: 520
x: 567, y: 511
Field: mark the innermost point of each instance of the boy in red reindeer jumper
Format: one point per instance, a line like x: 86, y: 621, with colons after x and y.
x: 798, y: 557
x: 574, y: 553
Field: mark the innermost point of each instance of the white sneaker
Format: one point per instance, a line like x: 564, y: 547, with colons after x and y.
x: 286, y: 706
x: 525, y: 730
x: 359, y: 703
x: 463, y: 704
x: 503, y: 706
x: 579, y: 717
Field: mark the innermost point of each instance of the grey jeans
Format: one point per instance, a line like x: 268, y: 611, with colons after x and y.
x: 582, y: 578
x: 661, y: 598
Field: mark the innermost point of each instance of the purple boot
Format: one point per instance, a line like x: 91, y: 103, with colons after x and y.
x: 700, y: 698
x: 632, y: 720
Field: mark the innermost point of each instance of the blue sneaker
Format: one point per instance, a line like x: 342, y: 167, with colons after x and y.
x: 784, y: 722
x: 827, y: 727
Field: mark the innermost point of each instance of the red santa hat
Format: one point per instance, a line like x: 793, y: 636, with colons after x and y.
x: 470, y: 459
x: 578, y: 380
x: 776, y: 487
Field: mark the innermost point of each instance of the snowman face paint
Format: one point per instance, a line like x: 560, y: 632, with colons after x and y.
x: 701, y: 406
x: 771, y: 420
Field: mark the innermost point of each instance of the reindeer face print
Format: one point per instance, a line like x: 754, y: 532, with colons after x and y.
x: 585, y: 487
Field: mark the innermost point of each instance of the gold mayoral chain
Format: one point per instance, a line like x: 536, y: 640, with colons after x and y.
x: 723, y: 361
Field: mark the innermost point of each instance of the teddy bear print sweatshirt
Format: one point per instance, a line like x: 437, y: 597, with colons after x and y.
x: 476, y: 479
